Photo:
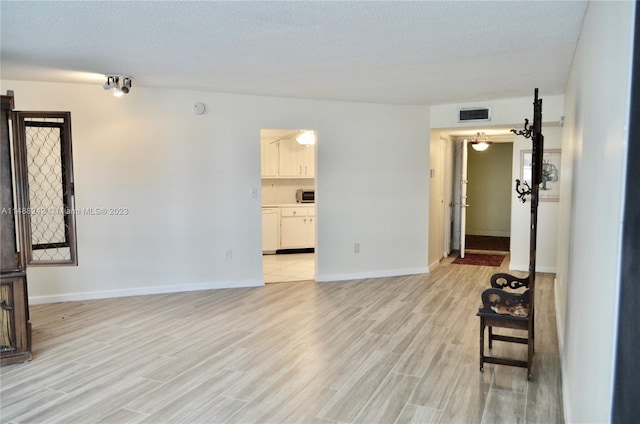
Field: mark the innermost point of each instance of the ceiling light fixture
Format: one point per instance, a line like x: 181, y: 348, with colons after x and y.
x: 480, y: 142
x: 120, y: 83
x: 306, y: 138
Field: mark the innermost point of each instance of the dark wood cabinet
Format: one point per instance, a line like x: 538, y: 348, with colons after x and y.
x: 15, y: 334
x: 15, y: 329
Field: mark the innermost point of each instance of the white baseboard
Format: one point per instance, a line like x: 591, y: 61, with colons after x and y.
x: 434, y: 265
x: 560, y: 334
x: 559, y: 323
x: 140, y: 291
x: 566, y: 401
x: 375, y: 274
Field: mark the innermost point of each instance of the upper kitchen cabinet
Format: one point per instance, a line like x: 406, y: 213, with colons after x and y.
x: 270, y: 157
x: 296, y: 160
x: 283, y: 157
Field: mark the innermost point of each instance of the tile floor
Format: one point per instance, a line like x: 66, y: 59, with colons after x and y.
x: 288, y: 267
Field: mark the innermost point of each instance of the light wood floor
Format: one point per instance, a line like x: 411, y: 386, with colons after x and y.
x: 389, y: 350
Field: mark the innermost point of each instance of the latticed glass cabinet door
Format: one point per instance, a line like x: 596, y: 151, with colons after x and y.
x: 45, y: 187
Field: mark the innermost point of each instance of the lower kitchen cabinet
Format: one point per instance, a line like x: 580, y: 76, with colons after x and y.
x: 270, y: 230
x: 297, y: 227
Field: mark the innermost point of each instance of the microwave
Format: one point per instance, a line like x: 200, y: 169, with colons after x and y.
x: 305, y: 196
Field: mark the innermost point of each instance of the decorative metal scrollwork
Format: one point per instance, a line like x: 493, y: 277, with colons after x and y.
x: 527, y: 132
x: 522, y: 187
x: 525, y: 190
x: 502, y: 280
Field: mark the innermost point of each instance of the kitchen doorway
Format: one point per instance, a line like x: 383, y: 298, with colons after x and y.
x: 288, y: 174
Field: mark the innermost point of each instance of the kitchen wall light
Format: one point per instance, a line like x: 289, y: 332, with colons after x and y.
x: 307, y: 138
x: 480, y: 142
x: 120, y: 83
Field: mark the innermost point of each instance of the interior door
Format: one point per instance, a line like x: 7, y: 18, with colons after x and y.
x: 449, y: 166
x: 436, y: 199
x: 463, y: 197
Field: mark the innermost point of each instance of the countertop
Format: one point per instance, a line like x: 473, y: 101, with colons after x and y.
x: 297, y: 205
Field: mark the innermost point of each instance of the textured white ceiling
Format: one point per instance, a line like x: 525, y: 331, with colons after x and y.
x: 428, y: 52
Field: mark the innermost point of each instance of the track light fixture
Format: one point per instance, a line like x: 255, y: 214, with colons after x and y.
x: 111, y: 83
x: 120, y: 83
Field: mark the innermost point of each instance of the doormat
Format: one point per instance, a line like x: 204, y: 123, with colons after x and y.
x: 479, y: 259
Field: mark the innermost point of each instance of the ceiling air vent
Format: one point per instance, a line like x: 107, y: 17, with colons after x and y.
x: 474, y: 114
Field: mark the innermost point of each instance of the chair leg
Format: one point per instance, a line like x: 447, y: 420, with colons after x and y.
x: 482, y: 344
x: 529, y: 373
x: 490, y: 337
x: 533, y: 333
x: 530, y: 356
x: 531, y: 345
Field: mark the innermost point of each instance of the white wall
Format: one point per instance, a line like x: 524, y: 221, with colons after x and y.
x: 185, y: 179
x: 373, y: 189
x: 593, y: 168
x: 512, y: 113
x: 546, y: 243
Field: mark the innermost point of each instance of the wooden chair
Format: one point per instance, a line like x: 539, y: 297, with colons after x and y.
x: 501, y: 308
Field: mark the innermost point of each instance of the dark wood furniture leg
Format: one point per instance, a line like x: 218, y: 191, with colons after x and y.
x: 481, y: 344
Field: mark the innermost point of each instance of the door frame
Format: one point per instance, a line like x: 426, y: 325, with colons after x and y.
x: 315, y: 187
x: 452, y: 170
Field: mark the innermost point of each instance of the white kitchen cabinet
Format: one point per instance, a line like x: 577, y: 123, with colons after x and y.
x: 270, y: 230
x: 296, y: 160
x: 287, y: 159
x: 311, y: 229
x: 297, y: 227
x: 309, y: 161
x: 270, y: 158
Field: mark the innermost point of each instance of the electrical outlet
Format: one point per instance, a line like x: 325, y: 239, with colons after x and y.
x: 228, y: 254
x: 356, y: 248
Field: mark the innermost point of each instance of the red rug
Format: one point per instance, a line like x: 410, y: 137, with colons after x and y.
x: 479, y: 259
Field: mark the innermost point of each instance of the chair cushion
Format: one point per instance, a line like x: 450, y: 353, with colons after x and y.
x: 519, y: 310
x: 503, y: 303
